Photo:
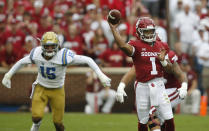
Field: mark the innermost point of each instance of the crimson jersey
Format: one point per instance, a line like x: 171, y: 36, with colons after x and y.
x: 145, y: 60
x: 172, y: 81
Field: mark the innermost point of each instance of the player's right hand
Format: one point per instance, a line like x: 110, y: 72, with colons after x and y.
x: 7, y: 80
x: 106, y: 81
x: 120, y: 93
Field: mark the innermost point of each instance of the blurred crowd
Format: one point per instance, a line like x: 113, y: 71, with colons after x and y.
x: 82, y: 26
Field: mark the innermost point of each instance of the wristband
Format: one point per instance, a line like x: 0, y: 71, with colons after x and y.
x: 164, y: 63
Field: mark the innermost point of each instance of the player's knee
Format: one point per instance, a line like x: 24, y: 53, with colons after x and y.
x: 59, y: 126
x: 36, y: 119
x: 154, y: 123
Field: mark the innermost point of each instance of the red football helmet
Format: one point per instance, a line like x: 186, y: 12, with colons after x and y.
x: 145, y: 29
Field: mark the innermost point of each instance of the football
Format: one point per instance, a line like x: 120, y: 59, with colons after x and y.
x: 114, y: 16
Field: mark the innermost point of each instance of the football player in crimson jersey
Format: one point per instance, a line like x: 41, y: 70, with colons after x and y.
x: 172, y: 84
x: 52, y: 63
x: 150, y: 90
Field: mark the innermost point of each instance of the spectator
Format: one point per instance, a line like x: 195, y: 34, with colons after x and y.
x: 59, y: 31
x: 203, y: 58
x: 15, y: 35
x: 3, y: 11
x: 45, y: 25
x: 87, y: 35
x: 19, y: 10
x: 67, y: 21
x: 30, y: 43
x: 77, y: 21
x: 152, y: 6
x: 191, y: 103
x: 98, y: 22
x: 95, y: 96
x: 8, y: 55
x: 199, y: 36
x: 99, y: 43
x: 162, y: 34
x: 185, y: 24
x: 73, y: 40
x: 39, y: 10
x: 179, y: 52
x: 123, y: 31
x: 176, y: 7
x: 2, y: 33
x: 113, y: 57
x: 29, y: 26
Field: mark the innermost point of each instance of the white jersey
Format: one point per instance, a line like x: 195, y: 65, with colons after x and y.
x: 51, y: 73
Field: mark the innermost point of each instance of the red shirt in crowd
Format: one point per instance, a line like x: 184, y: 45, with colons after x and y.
x: 17, y: 38
x: 8, y: 58
x: 75, y: 44
x: 114, y: 58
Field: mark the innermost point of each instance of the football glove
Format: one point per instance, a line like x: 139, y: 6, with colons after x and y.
x: 106, y: 81
x: 7, y: 80
x: 183, y: 90
x: 121, y: 92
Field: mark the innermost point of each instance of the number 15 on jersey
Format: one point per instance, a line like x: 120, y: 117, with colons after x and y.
x: 48, y: 72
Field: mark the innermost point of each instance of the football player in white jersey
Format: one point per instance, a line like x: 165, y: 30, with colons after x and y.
x: 49, y: 85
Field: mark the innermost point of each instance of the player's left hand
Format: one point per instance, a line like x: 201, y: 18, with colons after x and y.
x: 183, y: 90
x: 106, y: 81
x: 161, y: 55
x: 121, y: 93
x: 7, y: 80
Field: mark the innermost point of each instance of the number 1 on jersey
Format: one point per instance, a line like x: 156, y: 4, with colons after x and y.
x: 154, y: 71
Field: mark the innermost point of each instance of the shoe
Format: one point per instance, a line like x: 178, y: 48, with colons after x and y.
x: 35, y: 127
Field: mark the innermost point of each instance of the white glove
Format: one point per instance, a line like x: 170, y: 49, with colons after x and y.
x: 183, y: 90
x: 7, y: 80
x: 120, y: 92
x: 106, y: 81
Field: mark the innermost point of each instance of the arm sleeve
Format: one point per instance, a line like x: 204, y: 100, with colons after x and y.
x: 20, y: 64
x: 166, y: 47
x: 79, y: 60
x: 172, y: 57
x: 132, y: 43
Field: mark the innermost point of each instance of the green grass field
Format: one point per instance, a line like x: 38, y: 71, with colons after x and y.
x: 100, y: 122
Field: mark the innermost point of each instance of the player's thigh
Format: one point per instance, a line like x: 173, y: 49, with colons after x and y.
x: 164, y: 107
x: 39, y: 101
x: 142, y: 103
x: 173, y: 96
x: 57, y: 103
